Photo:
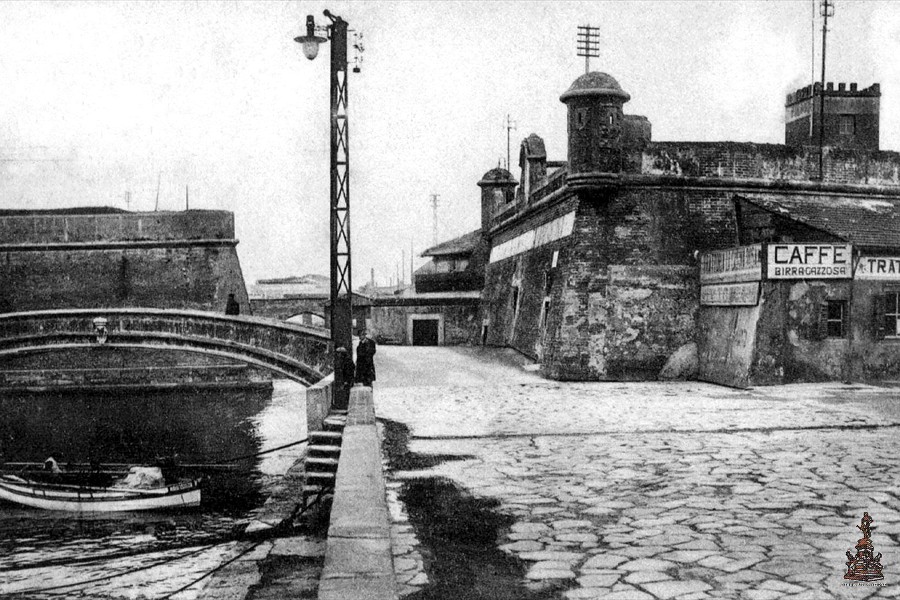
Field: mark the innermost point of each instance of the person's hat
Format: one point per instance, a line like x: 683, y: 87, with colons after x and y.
x: 341, y: 349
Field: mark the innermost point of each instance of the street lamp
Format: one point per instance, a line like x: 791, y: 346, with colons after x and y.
x: 341, y: 291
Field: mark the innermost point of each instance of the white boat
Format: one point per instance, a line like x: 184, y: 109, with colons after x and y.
x: 90, y: 499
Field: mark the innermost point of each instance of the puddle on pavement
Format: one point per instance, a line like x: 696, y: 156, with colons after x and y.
x: 458, y: 533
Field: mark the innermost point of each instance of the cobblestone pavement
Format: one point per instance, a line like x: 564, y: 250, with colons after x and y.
x: 654, y: 490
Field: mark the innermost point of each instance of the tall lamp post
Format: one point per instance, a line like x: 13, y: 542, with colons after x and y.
x: 341, y: 291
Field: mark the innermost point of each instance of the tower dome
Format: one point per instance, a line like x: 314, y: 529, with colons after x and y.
x: 595, y: 83
x: 494, y: 175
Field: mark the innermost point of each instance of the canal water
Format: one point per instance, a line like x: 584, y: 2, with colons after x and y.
x: 147, y: 555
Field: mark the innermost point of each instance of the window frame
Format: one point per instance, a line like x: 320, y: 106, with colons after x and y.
x: 841, y: 321
x: 843, y: 121
x: 892, y: 311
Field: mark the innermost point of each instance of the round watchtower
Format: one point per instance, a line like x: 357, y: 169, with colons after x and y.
x: 595, y: 126
x: 497, y: 193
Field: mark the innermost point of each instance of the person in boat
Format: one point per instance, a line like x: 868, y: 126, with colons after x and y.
x: 51, y: 466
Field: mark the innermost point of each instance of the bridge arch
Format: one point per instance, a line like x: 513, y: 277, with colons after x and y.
x: 298, y: 352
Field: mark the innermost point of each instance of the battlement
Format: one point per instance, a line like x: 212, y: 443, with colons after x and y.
x: 843, y: 91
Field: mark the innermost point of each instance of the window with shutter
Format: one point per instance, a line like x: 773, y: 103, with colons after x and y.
x: 835, y: 317
x: 890, y: 315
x: 821, y: 330
x: 878, y: 316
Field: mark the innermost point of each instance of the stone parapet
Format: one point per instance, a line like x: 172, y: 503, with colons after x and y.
x: 318, y: 403
x: 358, y: 560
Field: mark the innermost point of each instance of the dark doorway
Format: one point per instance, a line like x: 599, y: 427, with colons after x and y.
x: 425, y: 332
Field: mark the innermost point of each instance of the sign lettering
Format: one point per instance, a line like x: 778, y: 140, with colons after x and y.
x: 730, y: 294
x: 809, y: 261
x: 878, y: 267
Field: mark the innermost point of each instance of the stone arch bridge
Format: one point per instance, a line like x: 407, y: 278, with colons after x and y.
x: 298, y: 352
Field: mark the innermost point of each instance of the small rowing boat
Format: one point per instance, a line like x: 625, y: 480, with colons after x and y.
x: 136, y: 491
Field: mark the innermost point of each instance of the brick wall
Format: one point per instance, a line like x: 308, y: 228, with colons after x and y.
x: 768, y: 162
x: 159, y: 260
x: 184, y: 277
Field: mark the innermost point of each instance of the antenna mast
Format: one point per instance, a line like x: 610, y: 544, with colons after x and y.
x: 434, y: 219
x: 510, y: 125
x: 826, y: 9
x: 158, y: 182
x: 588, y: 44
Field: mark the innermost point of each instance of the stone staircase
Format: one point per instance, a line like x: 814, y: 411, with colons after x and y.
x: 322, y: 456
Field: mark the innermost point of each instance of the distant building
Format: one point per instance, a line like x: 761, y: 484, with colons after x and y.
x: 442, y: 308
x: 304, y: 299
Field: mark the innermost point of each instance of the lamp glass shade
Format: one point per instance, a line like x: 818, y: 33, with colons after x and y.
x: 310, y: 47
x: 310, y: 44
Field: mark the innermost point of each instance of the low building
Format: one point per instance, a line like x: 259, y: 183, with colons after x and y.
x: 813, y: 295
x: 443, y: 306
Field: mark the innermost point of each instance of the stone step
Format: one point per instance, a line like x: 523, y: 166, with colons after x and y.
x: 335, y: 423
x: 325, y: 437
x: 323, y: 450
x: 314, y: 463
x: 320, y: 478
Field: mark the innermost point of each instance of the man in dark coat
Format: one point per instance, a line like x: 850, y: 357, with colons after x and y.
x: 365, y: 360
x: 231, y: 306
x: 344, y: 364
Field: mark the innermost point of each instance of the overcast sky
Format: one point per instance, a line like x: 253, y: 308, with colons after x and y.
x: 103, y: 98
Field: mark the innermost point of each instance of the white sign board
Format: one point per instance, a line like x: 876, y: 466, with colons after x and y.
x: 878, y: 267
x: 809, y: 261
x: 730, y: 294
x: 732, y: 265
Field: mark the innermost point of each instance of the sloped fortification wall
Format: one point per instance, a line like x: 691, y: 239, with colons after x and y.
x: 159, y: 260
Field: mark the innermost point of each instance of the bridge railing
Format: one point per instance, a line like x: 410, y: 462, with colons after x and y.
x: 295, y: 351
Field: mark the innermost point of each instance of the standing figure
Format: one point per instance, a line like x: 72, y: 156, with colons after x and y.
x: 344, y: 364
x: 231, y: 306
x: 365, y: 360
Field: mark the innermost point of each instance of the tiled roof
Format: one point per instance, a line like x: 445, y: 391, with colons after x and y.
x: 868, y: 222
x: 464, y: 244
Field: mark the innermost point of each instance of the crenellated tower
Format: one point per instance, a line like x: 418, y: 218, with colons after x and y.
x: 851, y: 116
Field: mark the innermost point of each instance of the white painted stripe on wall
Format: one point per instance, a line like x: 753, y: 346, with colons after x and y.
x: 534, y: 238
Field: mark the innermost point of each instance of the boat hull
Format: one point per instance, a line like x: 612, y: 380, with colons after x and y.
x: 96, y: 500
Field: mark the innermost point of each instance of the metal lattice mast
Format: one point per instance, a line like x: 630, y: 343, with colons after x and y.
x: 341, y: 284
x: 588, y: 44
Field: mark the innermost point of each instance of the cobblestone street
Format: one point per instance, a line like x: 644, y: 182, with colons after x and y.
x: 636, y: 490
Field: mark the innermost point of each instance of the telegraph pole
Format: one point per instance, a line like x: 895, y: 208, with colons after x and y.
x: 588, y: 44
x: 826, y: 9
